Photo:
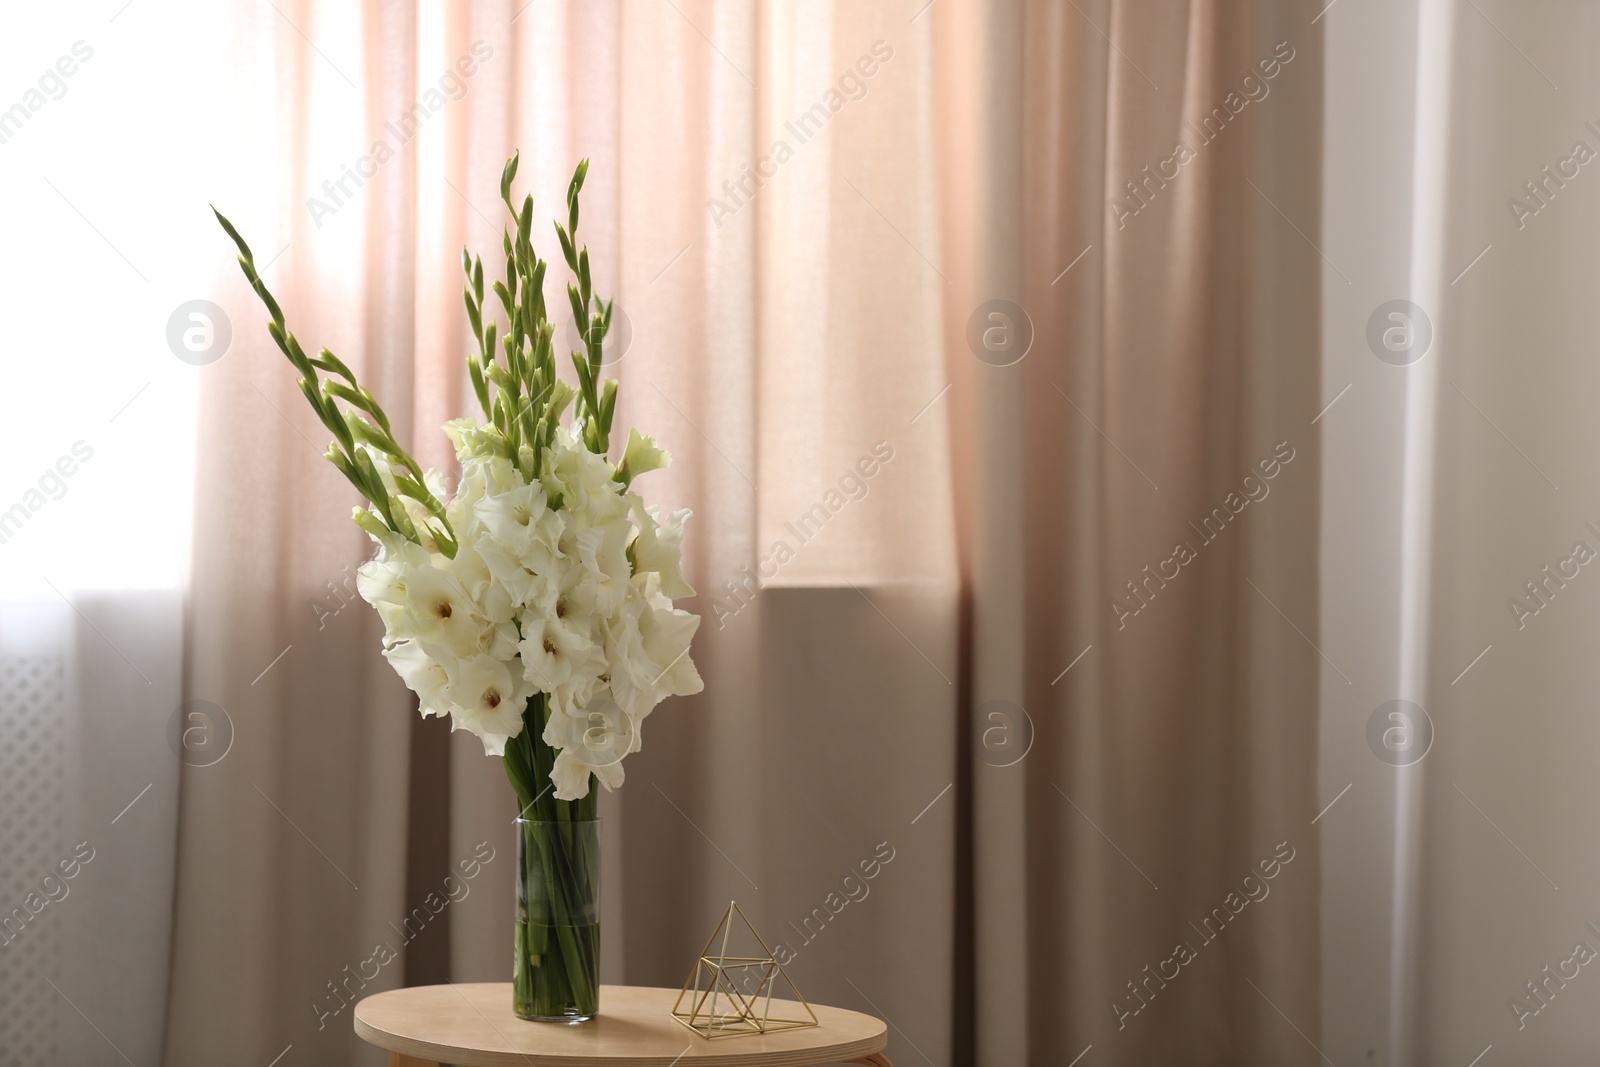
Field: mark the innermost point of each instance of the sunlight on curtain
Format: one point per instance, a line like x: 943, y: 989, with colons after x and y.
x: 105, y: 167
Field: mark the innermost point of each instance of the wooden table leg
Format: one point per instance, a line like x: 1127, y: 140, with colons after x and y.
x: 400, y: 1059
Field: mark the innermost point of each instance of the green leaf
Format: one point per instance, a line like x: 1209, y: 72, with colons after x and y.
x: 369, y: 473
x: 507, y: 175
x: 591, y: 404
x: 328, y: 361
x: 505, y: 299
x: 573, y: 189
x: 298, y: 357
x: 418, y: 492
x: 566, y: 247
x: 401, y: 521
x: 367, y: 433
x: 443, y: 538
x: 383, y: 420
x: 244, y: 249
x: 280, y: 338
x: 338, y: 459
x: 479, y: 385
x: 579, y: 314
x: 371, y: 523
x: 345, y: 393
x: 608, y: 405
x: 261, y: 291
x: 519, y: 770
x: 328, y: 416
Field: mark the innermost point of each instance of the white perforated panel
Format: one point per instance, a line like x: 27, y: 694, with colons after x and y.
x: 32, y: 788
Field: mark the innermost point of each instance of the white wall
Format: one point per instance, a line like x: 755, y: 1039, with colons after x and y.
x: 1507, y: 797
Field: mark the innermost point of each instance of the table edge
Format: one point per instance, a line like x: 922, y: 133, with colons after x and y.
x: 427, y: 1050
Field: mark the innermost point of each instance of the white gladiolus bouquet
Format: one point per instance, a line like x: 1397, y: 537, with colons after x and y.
x: 534, y: 606
x: 572, y: 602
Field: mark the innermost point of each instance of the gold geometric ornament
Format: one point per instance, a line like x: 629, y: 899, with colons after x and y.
x: 730, y: 994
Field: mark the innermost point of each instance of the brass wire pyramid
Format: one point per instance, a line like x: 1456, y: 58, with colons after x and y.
x: 730, y: 995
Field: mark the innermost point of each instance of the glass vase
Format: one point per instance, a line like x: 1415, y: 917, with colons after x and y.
x: 556, y: 968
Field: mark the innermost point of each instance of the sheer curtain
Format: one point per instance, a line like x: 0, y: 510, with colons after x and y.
x: 785, y: 341
x: 954, y: 349
x: 97, y: 430
x: 800, y: 207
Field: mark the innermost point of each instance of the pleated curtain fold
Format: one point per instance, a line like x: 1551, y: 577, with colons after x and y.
x: 807, y: 212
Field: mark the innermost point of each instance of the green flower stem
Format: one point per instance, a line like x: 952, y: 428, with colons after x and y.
x: 557, y: 941
x: 321, y: 394
x: 577, y: 974
x: 515, y: 378
x: 529, y: 368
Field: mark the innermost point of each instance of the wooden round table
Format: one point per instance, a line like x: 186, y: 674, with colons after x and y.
x: 472, y: 1025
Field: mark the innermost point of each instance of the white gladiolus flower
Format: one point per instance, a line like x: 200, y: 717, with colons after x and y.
x: 593, y: 742
x: 602, y: 551
x: 472, y: 440
x: 519, y: 540
x: 648, y: 646
x: 666, y: 633
x: 519, y: 521
x: 538, y: 593
x: 578, y: 475
x: 642, y: 455
x: 658, y: 547
x: 561, y: 587
x: 381, y: 581
x: 423, y: 675
x: 552, y: 651
x: 523, y: 584
x: 631, y: 669
x: 575, y: 694
x: 487, y: 698
x: 570, y: 775
x: 438, y: 610
x: 494, y: 600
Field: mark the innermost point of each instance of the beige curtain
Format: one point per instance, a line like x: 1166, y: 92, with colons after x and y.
x: 1173, y: 357
x: 799, y: 205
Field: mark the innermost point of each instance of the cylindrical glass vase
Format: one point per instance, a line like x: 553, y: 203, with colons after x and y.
x: 556, y: 969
